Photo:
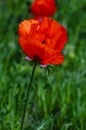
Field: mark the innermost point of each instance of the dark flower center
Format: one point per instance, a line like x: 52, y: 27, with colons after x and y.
x: 44, y: 41
x: 37, y: 59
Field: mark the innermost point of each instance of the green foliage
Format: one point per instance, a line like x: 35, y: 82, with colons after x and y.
x: 58, y: 100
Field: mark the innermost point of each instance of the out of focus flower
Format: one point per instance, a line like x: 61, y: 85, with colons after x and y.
x: 43, y: 7
x: 42, y: 39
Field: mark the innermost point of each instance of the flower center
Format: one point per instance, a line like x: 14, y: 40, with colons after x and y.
x: 44, y: 41
x: 36, y: 59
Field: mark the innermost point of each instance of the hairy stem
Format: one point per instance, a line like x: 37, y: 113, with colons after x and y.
x: 28, y: 92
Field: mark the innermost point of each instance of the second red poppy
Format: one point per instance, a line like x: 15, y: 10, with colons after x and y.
x: 43, y: 7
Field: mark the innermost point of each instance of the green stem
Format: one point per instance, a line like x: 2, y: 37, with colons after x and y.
x: 26, y: 101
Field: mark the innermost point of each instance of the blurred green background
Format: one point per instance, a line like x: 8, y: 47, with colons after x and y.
x: 58, y: 100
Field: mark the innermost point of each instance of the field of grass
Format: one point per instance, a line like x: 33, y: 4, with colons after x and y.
x: 57, y: 100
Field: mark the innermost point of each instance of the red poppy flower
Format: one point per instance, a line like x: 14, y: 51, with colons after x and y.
x: 43, y: 7
x: 42, y: 39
